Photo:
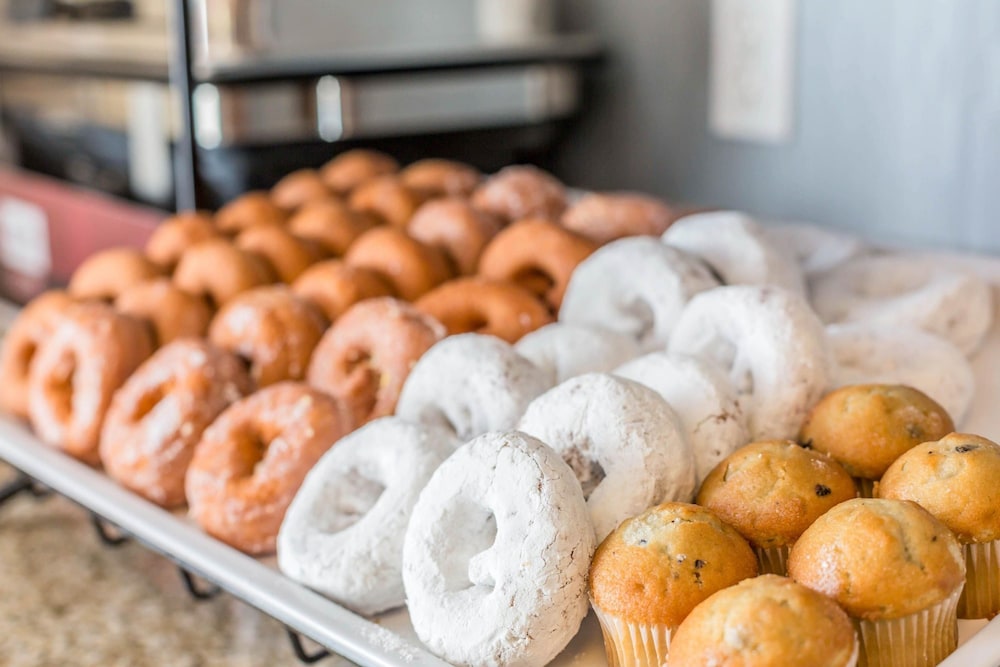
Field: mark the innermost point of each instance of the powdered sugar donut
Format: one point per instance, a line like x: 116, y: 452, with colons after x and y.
x: 343, y: 533
x: 879, y: 354
x: 470, y: 384
x: 703, y: 399
x: 816, y: 249
x: 496, y: 555
x: 901, y: 291
x: 771, y: 345
x: 621, y: 439
x: 737, y: 248
x: 636, y: 286
x: 563, y: 350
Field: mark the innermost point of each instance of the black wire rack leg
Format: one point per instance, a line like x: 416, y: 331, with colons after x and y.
x: 300, y: 650
x: 15, y: 487
x: 198, y: 591
x: 111, y: 537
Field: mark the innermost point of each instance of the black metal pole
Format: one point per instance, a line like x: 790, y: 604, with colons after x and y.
x: 182, y: 81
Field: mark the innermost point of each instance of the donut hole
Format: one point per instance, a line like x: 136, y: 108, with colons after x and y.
x: 640, y: 311
x: 347, y: 497
x: 588, y: 471
x: 24, y: 356
x: 149, y: 400
x: 250, y: 449
x: 59, y: 385
x: 534, y: 280
x: 471, y: 531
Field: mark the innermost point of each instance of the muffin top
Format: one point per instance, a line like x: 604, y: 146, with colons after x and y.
x: 771, y: 491
x: 767, y: 621
x: 957, y: 479
x: 879, y: 558
x: 868, y: 426
x: 655, y: 567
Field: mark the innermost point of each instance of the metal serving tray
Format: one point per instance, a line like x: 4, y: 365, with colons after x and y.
x: 388, y: 640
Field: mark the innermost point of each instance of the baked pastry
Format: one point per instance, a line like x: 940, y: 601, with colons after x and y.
x: 766, y: 621
x: 562, y: 350
x: 330, y: 224
x: 170, y: 311
x: 456, y: 228
x: 491, y: 307
x: 176, y: 234
x: 299, y: 188
x: 386, y: 198
x: 333, y: 286
x: 955, y: 479
x: 521, y: 191
x: 411, y: 267
x: 252, y: 209
x: 217, y: 270
x: 106, y: 274
x: 656, y: 567
x: 434, y: 177
x: 771, y: 492
x: 286, y: 255
x: 867, y: 427
x: 895, y: 569
x: 603, y: 217
x: 354, y: 167
x: 495, y: 556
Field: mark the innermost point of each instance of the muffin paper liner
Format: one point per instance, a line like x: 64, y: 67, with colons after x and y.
x: 922, y: 639
x: 772, y: 560
x: 981, y: 596
x: 634, y: 644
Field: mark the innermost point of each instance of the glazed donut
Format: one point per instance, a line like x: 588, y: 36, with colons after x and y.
x: 270, y: 327
x: 106, y: 274
x: 172, y: 312
x: 703, y: 399
x: 252, y: 459
x: 176, y: 234
x: 623, y: 442
x: 538, y: 255
x: 33, y: 326
x: 157, y: 417
x: 495, y: 558
x: 606, y: 216
x: 737, y: 249
x: 816, y: 249
x: 460, y: 231
x: 364, y: 358
x: 470, y: 384
x: 434, y: 177
x: 252, y: 209
x: 412, y: 268
x: 330, y: 224
x: 386, y: 198
x: 563, y: 351
x: 899, y: 291
x: 521, y: 191
x: 217, y: 270
x: 354, y: 167
x: 286, y: 255
x: 87, y: 357
x: 879, y: 354
x: 636, y: 286
x: 299, y: 188
x: 497, y: 308
x: 333, y: 287
x: 343, y: 533
x: 770, y: 344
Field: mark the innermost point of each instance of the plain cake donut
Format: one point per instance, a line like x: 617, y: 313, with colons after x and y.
x: 299, y: 188
x: 538, y: 255
x: 365, y: 357
x: 172, y: 312
x: 562, y: 350
x: 901, y: 291
x: 490, y: 307
x: 106, y: 274
x: 253, y: 209
x: 770, y: 344
x: 287, y: 255
x: 623, y: 442
x: 343, y: 533
x: 470, y: 384
x: 252, y: 459
x: 411, y: 267
x: 217, y: 270
x: 330, y: 224
x: 354, y: 167
x: 603, y: 217
x: 157, y: 417
x: 176, y: 234
x: 459, y: 230
x: 89, y: 354
x: 333, y: 286
x: 496, y: 555
x: 737, y: 248
x: 521, y: 191
x: 636, y: 286
x: 272, y: 329
x: 700, y: 394
x: 434, y: 177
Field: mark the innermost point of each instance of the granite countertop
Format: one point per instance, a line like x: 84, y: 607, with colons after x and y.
x: 67, y: 599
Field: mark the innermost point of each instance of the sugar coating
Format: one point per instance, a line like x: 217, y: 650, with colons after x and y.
x: 623, y: 442
x: 343, y: 533
x: 737, y: 248
x: 470, y: 384
x: 496, y: 556
x: 703, y: 400
x: 563, y: 350
x: 816, y: 249
x: 636, y: 286
x: 770, y: 344
x: 898, y: 291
